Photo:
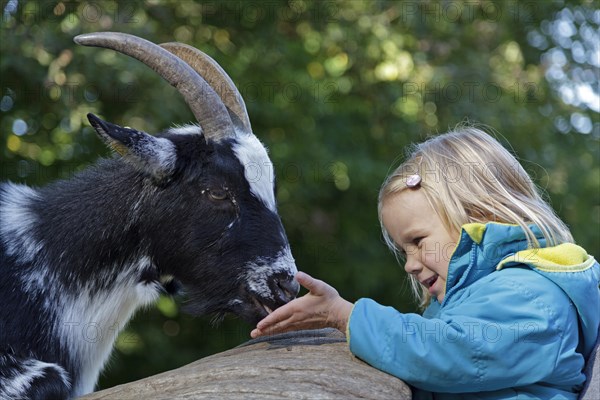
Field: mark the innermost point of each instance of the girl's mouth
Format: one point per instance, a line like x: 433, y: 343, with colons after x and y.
x: 430, y: 282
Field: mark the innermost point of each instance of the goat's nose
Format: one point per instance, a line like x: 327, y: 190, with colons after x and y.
x: 287, y: 289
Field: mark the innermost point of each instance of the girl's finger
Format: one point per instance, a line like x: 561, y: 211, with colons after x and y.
x: 278, y: 327
x: 269, y: 320
x: 280, y: 314
x: 255, y: 333
x: 313, y: 285
x: 271, y: 329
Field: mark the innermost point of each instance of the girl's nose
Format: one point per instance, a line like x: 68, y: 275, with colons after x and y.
x: 412, y: 265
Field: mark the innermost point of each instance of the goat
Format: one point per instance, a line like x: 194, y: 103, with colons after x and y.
x: 192, y: 208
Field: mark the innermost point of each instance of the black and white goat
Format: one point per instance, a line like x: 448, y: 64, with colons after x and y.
x: 193, y: 207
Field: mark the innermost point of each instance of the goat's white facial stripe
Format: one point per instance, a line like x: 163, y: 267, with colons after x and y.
x: 258, y: 168
x: 260, y: 270
x: 18, y: 221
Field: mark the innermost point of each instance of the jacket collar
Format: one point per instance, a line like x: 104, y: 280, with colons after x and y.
x: 480, y: 249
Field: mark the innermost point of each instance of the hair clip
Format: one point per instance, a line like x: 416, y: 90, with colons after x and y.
x: 413, y: 181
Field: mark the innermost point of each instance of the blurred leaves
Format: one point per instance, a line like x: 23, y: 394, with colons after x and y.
x: 335, y: 89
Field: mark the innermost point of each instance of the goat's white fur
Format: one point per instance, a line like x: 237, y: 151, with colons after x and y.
x: 186, y: 130
x: 90, y: 323
x: 259, y: 271
x: 18, y: 221
x: 258, y: 168
x: 32, y: 369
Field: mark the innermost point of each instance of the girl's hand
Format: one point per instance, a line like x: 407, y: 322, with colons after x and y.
x: 322, y: 307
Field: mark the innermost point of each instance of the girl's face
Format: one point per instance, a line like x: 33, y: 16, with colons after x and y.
x: 418, y: 231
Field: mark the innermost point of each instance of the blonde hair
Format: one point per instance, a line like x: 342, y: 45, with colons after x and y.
x: 468, y: 176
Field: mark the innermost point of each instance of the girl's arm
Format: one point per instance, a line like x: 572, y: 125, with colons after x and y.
x: 514, y: 335
x: 508, y: 333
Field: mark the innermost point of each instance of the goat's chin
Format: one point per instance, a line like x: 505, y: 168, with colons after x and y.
x: 253, y: 316
x: 249, y: 306
x: 250, y: 313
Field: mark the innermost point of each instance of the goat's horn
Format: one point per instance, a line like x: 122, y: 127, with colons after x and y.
x: 216, y: 77
x: 207, y: 106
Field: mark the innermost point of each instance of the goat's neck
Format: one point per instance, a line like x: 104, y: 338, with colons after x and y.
x: 87, y: 259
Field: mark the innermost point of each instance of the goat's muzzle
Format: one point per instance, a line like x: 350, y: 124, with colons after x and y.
x: 283, y: 288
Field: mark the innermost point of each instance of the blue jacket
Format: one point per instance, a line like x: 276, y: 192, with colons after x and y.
x: 515, y: 323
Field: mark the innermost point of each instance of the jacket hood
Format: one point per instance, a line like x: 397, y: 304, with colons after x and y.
x: 576, y: 273
x: 485, y: 248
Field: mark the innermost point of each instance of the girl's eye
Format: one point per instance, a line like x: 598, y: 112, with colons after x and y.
x: 217, y: 194
x: 417, y: 241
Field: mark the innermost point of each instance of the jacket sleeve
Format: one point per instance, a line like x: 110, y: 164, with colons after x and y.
x: 505, y: 337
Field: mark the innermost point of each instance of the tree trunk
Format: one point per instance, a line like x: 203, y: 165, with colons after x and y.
x: 299, y: 365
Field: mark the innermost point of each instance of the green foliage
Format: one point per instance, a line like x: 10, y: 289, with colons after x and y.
x: 336, y: 89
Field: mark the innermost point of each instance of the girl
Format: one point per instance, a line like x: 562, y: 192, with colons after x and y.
x: 513, y: 305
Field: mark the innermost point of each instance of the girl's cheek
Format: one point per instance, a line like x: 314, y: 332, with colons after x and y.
x: 447, y: 251
x: 432, y: 253
x: 437, y: 253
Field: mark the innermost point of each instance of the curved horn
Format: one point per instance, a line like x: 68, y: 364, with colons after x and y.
x: 206, y: 105
x: 216, y: 77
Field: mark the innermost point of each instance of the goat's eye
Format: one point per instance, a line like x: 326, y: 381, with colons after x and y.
x: 217, y: 194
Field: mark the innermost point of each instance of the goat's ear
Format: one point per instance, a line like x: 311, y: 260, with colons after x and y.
x: 155, y: 156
